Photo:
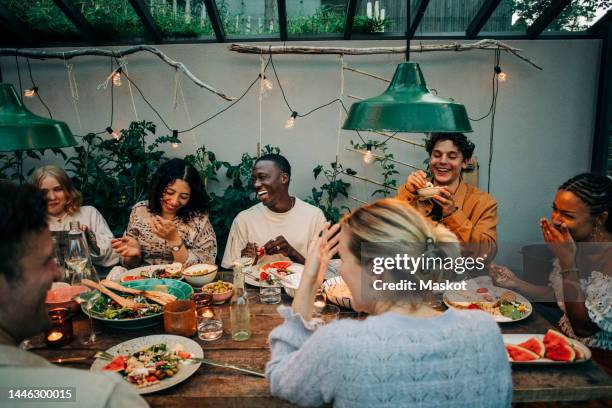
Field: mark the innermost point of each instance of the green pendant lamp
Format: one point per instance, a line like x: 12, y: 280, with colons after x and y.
x: 408, y: 106
x: 20, y: 129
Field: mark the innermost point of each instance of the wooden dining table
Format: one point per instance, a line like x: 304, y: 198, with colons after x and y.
x: 221, y: 387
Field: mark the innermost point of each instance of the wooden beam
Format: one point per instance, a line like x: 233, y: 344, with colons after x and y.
x: 350, y: 18
x: 77, y: 18
x: 215, y: 19
x: 600, y: 24
x: 603, y: 113
x: 481, y: 18
x: 147, y: 20
x: 16, y: 26
x: 420, y: 12
x: 282, y: 19
x: 547, y: 17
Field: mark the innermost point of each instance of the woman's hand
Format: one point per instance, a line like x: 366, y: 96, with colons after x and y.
x: 416, y: 180
x: 503, y: 276
x: 127, y: 247
x: 165, y: 229
x: 319, y: 255
x: 560, y: 242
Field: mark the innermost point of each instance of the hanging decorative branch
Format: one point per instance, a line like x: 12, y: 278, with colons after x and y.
x: 365, y: 73
x: 382, y: 158
x: 485, y: 44
x: 66, y: 55
x: 378, y: 183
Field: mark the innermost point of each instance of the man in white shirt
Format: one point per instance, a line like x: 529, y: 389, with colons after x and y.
x: 280, y: 224
x: 27, y: 270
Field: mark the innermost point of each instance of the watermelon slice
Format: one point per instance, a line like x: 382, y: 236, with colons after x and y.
x: 554, y: 337
x: 580, y: 355
x: 279, y: 265
x: 517, y: 353
x: 560, y: 352
x: 534, y: 344
x: 118, y: 364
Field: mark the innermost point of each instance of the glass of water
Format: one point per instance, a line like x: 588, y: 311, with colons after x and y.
x: 269, y: 293
x: 210, y: 325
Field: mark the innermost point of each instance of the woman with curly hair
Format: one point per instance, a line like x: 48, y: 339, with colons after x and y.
x: 471, y: 214
x: 173, y: 224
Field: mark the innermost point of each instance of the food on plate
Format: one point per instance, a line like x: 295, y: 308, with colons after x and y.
x: 493, y: 300
x: 518, y: 353
x: 150, y: 365
x: 340, y: 290
x: 129, y: 278
x: 171, y: 271
x: 277, y: 268
x: 106, y: 308
x: 553, y: 346
x: 534, y: 345
x: 217, y: 287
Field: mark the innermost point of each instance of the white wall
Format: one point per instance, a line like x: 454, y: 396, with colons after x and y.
x: 543, y: 126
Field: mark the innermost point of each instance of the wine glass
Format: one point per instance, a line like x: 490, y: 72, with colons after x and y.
x: 87, y: 296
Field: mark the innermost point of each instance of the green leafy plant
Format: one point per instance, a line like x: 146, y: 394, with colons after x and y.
x: 325, y: 196
x: 386, y: 163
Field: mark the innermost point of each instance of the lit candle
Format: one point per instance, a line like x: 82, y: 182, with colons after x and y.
x: 54, y: 336
x: 207, y: 313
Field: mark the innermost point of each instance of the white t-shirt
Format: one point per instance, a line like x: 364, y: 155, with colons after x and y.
x: 88, y: 215
x: 300, y: 226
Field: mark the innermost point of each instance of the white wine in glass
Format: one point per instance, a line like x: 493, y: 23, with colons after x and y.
x: 88, y: 297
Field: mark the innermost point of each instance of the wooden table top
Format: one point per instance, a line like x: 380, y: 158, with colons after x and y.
x: 223, y: 387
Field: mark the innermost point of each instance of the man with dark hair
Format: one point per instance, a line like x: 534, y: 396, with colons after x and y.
x: 467, y: 211
x: 27, y: 270
x: 280, y: 224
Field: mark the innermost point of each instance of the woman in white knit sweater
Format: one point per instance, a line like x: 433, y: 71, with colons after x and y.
x: 64, y: 205
x: 405, y: 353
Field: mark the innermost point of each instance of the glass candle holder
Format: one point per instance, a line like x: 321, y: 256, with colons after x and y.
x: 60, y: 333
x: 210, y: 325
x: 180, y: 318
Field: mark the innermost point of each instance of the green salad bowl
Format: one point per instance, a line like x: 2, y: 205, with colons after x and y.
x: 180, y: 289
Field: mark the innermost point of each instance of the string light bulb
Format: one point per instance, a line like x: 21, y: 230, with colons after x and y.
x: 501, y: 75
x: 117, y: 77
x: 368, y: 157
x: 113, y: 133
x: 175, y: 135
x: 291, y: 121
x: 29, y: 93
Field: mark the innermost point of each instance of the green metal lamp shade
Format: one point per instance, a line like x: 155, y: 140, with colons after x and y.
x: 408, y: 106
x: 20, y: 129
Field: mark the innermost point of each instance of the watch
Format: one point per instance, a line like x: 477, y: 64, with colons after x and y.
x: 176, y: 248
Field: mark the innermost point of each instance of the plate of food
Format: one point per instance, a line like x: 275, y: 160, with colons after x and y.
x: 162, y: 271
x: 504, y: 305
x: 428, y: 191
x: 254, y: 274
x: 109, y: 312
x: 550, y: 348
x: 153, y: 363
x: 338, y: 292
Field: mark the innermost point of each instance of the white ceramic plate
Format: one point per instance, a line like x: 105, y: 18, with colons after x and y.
x: 134, y: 345
x: 137, y: 272
x: 251, y: 275
x: 519, y: 338
x: 485, y: 282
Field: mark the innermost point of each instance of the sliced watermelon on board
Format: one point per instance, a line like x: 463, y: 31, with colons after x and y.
x: 580, y: 355
x: 561, y: 352
x: 118, y: 364
x: 554, y: 337
x: 535, y: 345
x: 517, y: 353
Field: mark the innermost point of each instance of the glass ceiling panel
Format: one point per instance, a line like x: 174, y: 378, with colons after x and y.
x: 44, y: 19
x: 514, y: 16
x: 249, y: 18
x: 579, y: 15
x: 307, y: 17
x: 448, y: 16
x: 182, y: 18
x: 381, y: 16
x: 111, y: 18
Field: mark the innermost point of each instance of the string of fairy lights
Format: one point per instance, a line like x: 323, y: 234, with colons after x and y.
x: 117, y: 74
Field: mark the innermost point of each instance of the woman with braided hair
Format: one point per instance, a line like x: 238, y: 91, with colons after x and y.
x: 579, y: 235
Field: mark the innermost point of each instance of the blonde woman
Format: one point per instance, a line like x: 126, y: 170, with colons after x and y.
x: 405, y: 353
x: 64, y: 205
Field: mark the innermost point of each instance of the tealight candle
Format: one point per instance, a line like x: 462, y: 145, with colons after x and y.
x: 207, y: 313
x: 60, y: 333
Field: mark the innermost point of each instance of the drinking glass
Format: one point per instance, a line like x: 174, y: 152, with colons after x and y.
x: 180, y: 318
x: 269, y: 293
x: 87, y: 296
x: 210, y: 325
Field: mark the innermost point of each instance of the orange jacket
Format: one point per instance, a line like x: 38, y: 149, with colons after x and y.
x: 474, y: 222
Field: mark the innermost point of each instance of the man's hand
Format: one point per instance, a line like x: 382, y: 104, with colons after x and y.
x: 415, y: 181
x: 446, y: 200
x: 249, y: 251
x: 279, y: 245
